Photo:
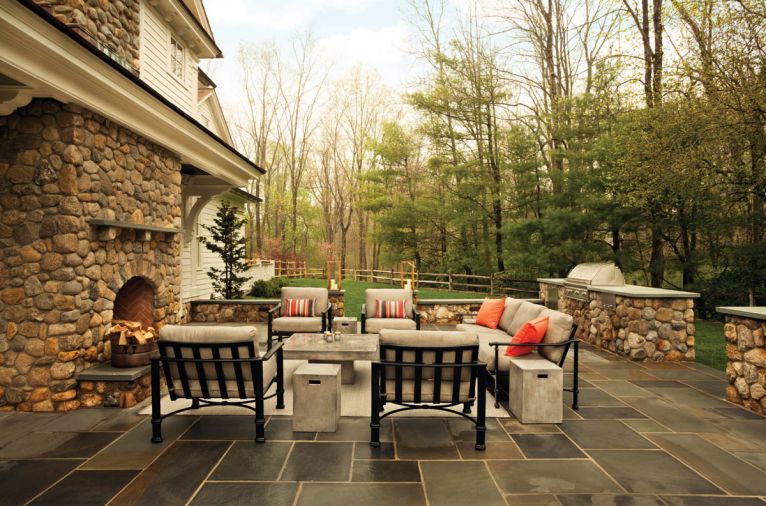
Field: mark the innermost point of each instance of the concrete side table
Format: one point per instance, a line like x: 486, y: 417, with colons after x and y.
x: 536, y: 390
x: 344, y: 324
x: 316, y: 398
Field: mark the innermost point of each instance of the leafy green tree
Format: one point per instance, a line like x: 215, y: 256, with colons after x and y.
x: 226, y: 241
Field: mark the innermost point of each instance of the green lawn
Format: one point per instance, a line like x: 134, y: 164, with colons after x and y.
x: 710, y: 344
x: 354, y: 296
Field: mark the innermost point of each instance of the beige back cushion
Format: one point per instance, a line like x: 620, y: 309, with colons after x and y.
x: 511, y: 308
x: 302, y: 292
x: 373, y: 294
x: 527, y: 311
x: 209, y: 334
x: 430, y: 339
x: 559, y: 328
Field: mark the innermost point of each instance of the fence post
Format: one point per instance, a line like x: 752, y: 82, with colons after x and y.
x: 492, y: 284
x: 449, y: 281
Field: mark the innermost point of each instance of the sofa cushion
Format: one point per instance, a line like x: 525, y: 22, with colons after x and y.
x: 303, y: 292
x: 559, y: 329
x: 487, y: 355
x: 297, y: 324
x: 498, y: 334
x: 511, y: 307
x: 490, y: 312
x: 373, y: 294
x: 375, y: 325
x: 526, y: 312
x: 531, y: 332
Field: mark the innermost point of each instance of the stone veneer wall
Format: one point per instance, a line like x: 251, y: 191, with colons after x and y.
x: 746, y: 370
x: 61, y: 165
x: 443, y: 312
x: 640, y: 328
x: 245, y: 310
x: 113, y: 25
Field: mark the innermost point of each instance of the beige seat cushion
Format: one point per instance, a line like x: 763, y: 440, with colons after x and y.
x: 269, y: 372
x: 427, y: 391
x: 302, y: 292
x: 559, y: 328
x: 482, y: 330
x: 373, y: 294
x: 375, y: 325
x: 511, y: 308
x: 297, y: 324
x: 526, y: 312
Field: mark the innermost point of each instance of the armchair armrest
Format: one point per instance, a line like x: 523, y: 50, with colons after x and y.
x: 272, y: 350
x: 275, y: 308
x: 416, y: 315
x: 363, y: 317
x: 327, y: 317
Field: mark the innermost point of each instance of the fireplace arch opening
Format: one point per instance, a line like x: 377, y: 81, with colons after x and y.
x: 135, y: 302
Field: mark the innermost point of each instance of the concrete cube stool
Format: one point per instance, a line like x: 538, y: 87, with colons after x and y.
x: 316, y: 398
x: 536, y: 390
x: 344, y: 324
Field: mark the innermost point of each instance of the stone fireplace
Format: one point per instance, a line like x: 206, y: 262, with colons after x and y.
x: 89, y: 217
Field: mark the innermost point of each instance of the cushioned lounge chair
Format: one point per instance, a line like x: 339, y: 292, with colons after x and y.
x: 373, y: 325
x: 281, y: 326
x: 215, y: 365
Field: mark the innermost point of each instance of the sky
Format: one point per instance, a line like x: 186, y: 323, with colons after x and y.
x: 372, y: 32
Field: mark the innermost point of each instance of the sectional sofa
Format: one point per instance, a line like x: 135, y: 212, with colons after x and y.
x: 559, y: 338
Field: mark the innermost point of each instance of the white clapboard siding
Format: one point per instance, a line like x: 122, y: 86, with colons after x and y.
x: 195, y: 283
x: 205, y: 116
x: 154, y: 64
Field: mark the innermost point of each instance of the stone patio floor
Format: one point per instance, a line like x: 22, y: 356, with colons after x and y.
x: 645, y: 434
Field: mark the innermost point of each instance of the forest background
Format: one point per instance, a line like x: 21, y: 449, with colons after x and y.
x: 540, y: 134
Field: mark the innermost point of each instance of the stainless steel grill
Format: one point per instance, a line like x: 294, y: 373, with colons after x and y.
x: 591, y: 274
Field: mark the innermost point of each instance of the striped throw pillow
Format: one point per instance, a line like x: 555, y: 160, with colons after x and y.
x: 299, y: 307
x: 389, y: 309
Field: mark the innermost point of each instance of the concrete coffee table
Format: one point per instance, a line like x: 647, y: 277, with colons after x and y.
x: 314, y: 348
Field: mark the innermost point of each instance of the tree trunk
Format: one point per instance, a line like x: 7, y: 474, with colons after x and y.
x: 657, y: 259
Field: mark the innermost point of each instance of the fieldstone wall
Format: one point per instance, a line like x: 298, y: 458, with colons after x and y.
x: 746, y: 370
x: 639, y: 328
x: 112, y: 25
x: 446, y: 313
x: 118, y: 394
x: 60, y: 166
x: 246, y: 311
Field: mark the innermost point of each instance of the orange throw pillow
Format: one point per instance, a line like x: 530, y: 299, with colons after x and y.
x: 490, y: 312
x: 531, y: 332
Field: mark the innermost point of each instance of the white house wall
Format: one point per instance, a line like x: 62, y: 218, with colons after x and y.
x: 195, y: 283
x: 155, y: 62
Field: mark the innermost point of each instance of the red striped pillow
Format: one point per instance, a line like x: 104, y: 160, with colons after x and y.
x: 299, y: 307
x: 389, y: 309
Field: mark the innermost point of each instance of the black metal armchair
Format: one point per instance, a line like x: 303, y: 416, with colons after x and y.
x: 429, y: 370
x: 371, y: 324
x: 214, y: 366
x: 285, y: 326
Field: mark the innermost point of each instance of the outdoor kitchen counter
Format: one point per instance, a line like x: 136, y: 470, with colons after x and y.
x: 635, y: 291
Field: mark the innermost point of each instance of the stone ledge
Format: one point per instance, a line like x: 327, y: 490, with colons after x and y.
x: 253, y: 302
x: 433, y: 302
x: 754, y: 312
x: 107, y: 372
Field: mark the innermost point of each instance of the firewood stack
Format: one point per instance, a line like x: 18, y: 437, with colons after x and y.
x: 131, y: 332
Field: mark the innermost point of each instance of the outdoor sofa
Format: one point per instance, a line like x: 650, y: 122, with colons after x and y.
x: 281, y: 326
x: 215, y: 365
x: 558, y: 339
x: 372, y: 325
x: 429, y: 369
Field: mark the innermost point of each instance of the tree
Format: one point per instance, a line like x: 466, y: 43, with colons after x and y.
x: 227, y: 242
